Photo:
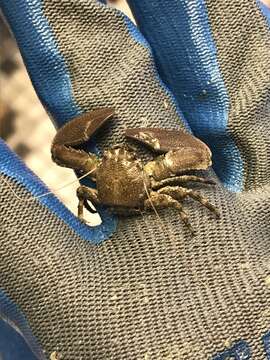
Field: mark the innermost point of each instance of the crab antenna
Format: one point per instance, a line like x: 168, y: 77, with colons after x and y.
x: 153, y: 206
x: 34, y: 197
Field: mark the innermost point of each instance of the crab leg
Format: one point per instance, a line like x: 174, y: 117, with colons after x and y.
x: 203, y: 200
x: 180, y: 180
x: 179, y: 193
x: 85, y: 193
x: 164, y: 201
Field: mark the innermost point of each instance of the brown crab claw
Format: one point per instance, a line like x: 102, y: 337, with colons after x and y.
x: 164, y: 140
x: 76, y: 132
x: 81, y: 128
x: 183, y: 150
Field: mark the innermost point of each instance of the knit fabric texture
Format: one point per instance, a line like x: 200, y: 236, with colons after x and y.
x: 150, y: 291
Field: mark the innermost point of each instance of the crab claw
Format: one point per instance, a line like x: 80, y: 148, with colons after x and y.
x: 183, y: 151
x: 80, y: 129
x: 76, y: 132
x: 164, y: 140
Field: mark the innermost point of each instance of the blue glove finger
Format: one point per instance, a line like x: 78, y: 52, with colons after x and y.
x: 207, y: 52
x: 72, y: 74
x: 46, y: 65
x: 54, y: 65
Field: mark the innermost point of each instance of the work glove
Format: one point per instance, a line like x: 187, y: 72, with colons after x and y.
x: 142, y: 287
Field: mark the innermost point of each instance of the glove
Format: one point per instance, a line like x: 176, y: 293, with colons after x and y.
x: 132, y: 288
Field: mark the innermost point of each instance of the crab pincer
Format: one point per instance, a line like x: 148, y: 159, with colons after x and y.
x: 76, y: 132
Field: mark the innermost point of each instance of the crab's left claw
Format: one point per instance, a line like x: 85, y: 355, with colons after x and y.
x: 183, y: 151
x: 164, y: 140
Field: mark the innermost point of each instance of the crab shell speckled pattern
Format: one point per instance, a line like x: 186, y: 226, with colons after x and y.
x: 120, y: 179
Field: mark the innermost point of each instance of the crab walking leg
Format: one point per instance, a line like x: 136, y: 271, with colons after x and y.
x: 179, y: 193
x: 203, y: 200
x: 85, y: 193
x: 180, y: 180
x: 164, y: 201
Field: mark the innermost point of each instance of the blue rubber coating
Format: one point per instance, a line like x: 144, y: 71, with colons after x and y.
x: 180, y: 37
x: 13, y: 167
x: 12, y: 345
x: 52, y: 82
x: 240, y: 351
x: 138, y: 37
x: 265, y: 10
x: 16, y: 339
x: 266, y: 344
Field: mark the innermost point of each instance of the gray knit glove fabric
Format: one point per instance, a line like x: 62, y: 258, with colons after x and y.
x: 133, y: 288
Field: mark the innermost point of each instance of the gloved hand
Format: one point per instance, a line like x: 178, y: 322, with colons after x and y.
x: 146, y: 291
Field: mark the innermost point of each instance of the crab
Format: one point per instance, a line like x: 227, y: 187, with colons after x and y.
x: 124, y: 183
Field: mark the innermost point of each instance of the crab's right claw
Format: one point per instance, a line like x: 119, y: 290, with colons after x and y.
x: 81, y: 128
x: 76, y: 132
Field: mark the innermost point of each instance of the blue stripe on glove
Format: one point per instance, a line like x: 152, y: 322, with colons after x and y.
x: 188, y: 65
